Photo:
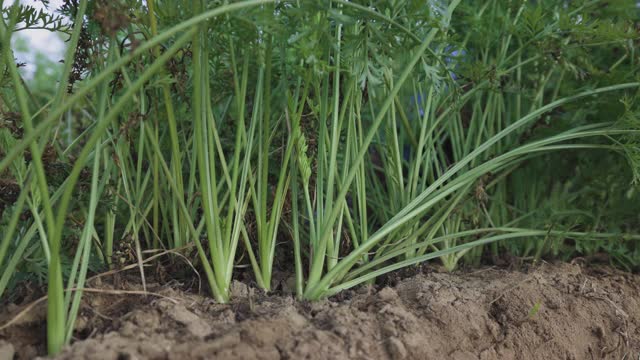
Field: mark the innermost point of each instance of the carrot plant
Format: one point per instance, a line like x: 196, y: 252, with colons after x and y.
x: 338, y: 140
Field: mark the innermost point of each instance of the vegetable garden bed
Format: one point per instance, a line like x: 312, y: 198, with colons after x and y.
x: 336, y: 142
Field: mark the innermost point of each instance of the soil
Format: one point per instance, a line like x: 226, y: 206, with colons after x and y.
x: 551, y: 311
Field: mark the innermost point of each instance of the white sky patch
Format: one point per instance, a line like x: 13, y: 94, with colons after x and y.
x: 45, y: 42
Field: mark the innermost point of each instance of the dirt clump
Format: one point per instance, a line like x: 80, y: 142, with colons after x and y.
x: 563, y: 311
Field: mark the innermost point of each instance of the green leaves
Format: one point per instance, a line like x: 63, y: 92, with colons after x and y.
x: 27, y: 17
x: 630, y: 142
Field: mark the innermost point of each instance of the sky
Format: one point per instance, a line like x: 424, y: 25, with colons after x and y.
x: 48, y: 43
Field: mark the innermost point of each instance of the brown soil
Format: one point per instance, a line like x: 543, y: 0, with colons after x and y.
x: 564, y: 311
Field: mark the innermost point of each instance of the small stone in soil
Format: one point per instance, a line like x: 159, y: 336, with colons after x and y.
x: 7, y: 351
x: 396, y: 348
